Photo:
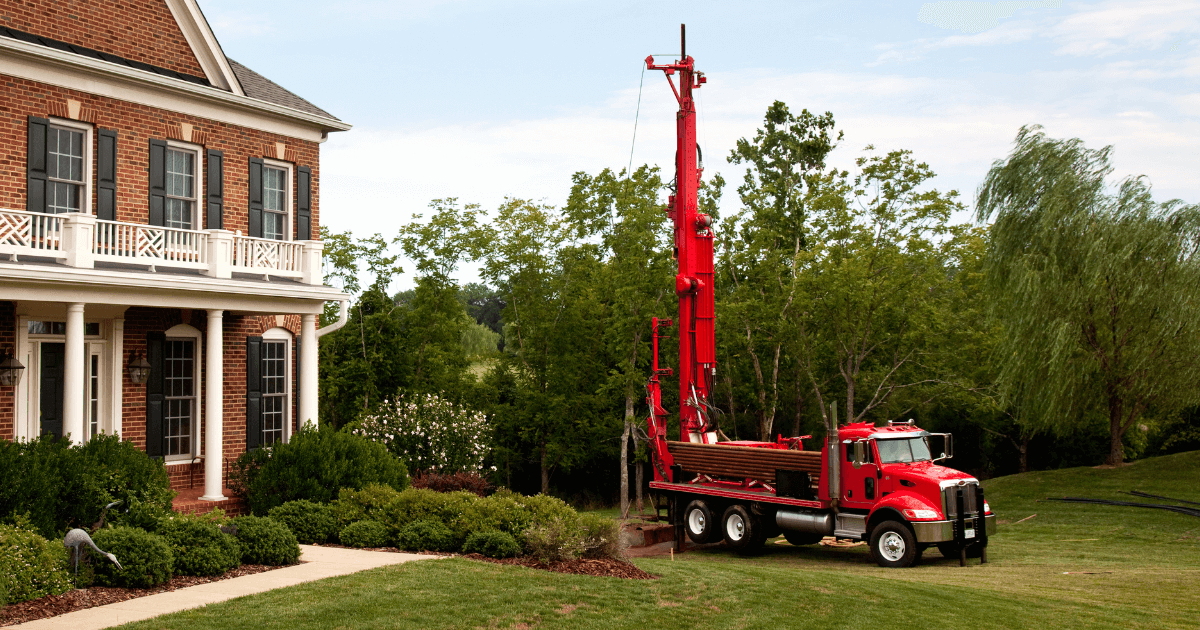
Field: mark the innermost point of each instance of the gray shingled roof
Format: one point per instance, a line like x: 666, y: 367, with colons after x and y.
x: 257, y: 86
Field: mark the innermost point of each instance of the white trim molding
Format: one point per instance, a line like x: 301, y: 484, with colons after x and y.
x: 85, y: 74
x: 204, y: 44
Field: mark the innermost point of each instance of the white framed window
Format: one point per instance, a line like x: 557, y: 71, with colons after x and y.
x: 276, y: 372
x: 184, y: 172
x: 181, y: 388
x: 68, y: 166
x: 277, y: 200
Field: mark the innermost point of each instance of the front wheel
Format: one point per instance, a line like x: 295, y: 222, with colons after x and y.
x: 893, y: 545
x: 700, y: 523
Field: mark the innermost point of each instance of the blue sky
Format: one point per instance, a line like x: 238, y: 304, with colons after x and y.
x: 482, y: 100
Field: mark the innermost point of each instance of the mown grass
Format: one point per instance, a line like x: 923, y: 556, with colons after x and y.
x: 1144, y: 566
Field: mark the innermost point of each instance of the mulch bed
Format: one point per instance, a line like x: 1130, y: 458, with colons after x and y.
x: 603, y: 567
x: 80, y: 599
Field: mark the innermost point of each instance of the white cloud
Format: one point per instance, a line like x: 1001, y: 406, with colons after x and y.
x: 975, y: 17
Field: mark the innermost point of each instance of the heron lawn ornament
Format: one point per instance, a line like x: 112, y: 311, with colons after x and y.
x: 75, y: 540
x: 103, y: 513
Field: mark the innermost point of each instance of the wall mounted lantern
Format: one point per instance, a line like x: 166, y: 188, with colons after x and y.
x: 10, y: 369
x: 139, y: 369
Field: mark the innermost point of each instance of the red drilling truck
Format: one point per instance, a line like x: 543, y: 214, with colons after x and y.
x: 877, y: 484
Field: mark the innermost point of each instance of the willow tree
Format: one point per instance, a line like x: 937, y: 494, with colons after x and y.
x: 1096, y: 289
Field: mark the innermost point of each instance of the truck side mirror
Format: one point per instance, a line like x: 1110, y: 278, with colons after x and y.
x: 947, y: 447
x: 859, y: 454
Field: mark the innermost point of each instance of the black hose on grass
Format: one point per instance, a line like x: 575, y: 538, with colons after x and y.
x: 1147, y: 495
x: 1158, y: 506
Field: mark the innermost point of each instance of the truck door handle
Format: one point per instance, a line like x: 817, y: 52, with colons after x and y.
x: 879, y: 473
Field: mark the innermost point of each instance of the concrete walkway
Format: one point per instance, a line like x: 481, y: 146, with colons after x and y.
x: 319, y: 563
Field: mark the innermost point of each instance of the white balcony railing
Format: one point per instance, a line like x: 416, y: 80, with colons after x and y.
x: 80, y: 240
x: 150, y: 245
x: 30, y: 234
x: 268, y: 257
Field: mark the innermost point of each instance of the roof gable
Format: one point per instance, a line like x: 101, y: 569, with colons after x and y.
x: 207, y: 50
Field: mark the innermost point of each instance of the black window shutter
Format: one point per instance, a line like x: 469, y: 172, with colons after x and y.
x: 35, y: 165
x: 158, y: 181
x: 295, y: 378
x: 255, y: 228
x: 215, y: 190
x: 253, y: 392
x: 106, y: 175
x: 154, y: 394
x: 304, y: 204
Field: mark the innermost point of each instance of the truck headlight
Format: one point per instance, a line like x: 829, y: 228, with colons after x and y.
x: 921, y: 514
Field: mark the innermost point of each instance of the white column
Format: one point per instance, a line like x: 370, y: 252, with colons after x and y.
x: 73, y: 375
x: 214, y: 415
x: 308, y: 369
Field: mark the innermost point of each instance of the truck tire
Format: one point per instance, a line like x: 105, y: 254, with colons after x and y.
x: 742, y: 531
x: 700, y: 523
x: 800, y: 539
x: 893, y: 545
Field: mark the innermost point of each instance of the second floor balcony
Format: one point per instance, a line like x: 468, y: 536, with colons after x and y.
x: 81, y: 240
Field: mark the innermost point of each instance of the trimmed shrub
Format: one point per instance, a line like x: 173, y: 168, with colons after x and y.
x: 312, y: 523
x: 30, y: 565
x: 146, y: 559
x: 266, y: 541
x: 360, y: 505
x: 141, y: 515
x: 601, y: 536
x: 502, y: 511
x: 492, y: 544
x: 544, y: 508
x: 314, y: 465
x: 199, y: 545
x: 452, y: 509
x: 558, y: 540
x: 464, y: 481
x: 426, y: 536
x: 364, y: 534
x: 60, y: 486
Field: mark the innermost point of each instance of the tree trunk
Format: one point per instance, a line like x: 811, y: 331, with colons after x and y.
x: 1116, y: 449
x: 625, y: 456
x: 799, y: 406
x: 1023, y: 454
x: 545, y: 471
x: 639, y: 478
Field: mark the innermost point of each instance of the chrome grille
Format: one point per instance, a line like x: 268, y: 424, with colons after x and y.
x: 950, y: 499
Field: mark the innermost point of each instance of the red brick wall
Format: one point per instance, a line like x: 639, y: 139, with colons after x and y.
x: 8, y: 397
x: 141, y: 30
x: 140, y: 321
x: 136, y: 125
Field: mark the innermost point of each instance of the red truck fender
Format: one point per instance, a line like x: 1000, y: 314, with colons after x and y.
x: 892, y: 507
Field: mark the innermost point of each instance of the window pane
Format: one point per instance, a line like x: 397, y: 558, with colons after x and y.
x: 274, y: 387
x: 273, y: 225
x: 179, y: 381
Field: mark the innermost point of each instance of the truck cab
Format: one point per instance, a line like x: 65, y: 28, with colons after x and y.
x: 893, y: 493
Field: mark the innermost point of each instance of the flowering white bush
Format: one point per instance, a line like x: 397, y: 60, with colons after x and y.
x: 430, y: 434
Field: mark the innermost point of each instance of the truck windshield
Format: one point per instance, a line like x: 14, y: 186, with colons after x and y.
x: 903, y: 450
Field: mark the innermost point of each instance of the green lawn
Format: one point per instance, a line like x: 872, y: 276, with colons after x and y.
x: 1147, y: 564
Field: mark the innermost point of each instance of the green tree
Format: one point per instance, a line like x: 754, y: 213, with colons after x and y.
x: 548, y: 404
x: 760, y: 246
x: 876, y: 284
x: 624, y: 213
x: 1096, y: 289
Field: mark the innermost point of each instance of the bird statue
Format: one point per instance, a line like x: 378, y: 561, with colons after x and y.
x: 75, y: 539
x: 100, y: 523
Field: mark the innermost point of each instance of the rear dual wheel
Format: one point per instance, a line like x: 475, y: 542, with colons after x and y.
x: 700, y: 523
x: 742, y: 530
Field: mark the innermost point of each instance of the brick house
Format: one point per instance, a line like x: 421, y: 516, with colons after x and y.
x: 158, y: 209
